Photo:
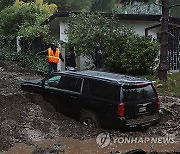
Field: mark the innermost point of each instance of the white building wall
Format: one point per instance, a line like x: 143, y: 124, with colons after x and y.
x: 62, y: 37
x: 81, y: 61
x: 63, y: 27
x: 139, y: 27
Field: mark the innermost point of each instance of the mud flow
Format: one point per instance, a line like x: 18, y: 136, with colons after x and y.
x: 30, y: 125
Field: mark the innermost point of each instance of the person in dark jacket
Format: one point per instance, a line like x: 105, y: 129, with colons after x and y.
x: 71, y: 59
x: 99, y: 60
x: 54, y: 56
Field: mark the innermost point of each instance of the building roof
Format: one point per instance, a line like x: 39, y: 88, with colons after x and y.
x: 137, y: 17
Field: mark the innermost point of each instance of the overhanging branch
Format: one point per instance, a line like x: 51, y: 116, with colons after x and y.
x: 157, y: 4
x: 174, y: 5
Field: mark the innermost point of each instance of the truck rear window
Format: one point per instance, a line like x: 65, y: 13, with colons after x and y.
x: 138, y: 93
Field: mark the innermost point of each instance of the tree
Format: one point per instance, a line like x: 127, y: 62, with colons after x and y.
x: 102, y: 6
x: 87, y: 5
x: 78, y: 5
x: 175, y: 12
x: 22, y: 15
x: 24, y: 19
x: 67, y: 5
x: 5, y: 3
x: 72, y: 5
x: 138, y: 8
x: 61, y: 4
x: 163, y: 66
x: 127, y: 2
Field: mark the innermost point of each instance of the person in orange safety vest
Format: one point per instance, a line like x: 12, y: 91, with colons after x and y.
x: 54, y: 56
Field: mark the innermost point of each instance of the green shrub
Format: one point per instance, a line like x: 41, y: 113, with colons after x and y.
x: 124, y: 51
x: 133, y: 54
x: 8, y: 52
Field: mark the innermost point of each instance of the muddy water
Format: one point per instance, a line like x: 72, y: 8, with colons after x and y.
x: 90, y: 146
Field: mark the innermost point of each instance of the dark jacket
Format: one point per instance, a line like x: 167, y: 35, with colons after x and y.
x: 71, y: 60
x: 99, y: 60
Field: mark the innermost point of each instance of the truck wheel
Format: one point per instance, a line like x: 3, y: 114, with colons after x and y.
x: 89, y: 118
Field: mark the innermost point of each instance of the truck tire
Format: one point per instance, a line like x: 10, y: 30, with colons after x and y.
x: 89, y: 118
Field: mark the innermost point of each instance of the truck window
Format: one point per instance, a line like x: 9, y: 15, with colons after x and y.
x: 103, y: 89
x: 72, y: 84
x: 52, y: 81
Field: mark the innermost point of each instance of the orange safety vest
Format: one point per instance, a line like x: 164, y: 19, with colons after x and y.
x: 54, y: 58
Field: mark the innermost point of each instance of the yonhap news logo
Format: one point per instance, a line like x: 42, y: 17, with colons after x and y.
x: 105, y: 139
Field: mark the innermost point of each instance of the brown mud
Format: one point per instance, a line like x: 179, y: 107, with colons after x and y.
x: 28, y: 124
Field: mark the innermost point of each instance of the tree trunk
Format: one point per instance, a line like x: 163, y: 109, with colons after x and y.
x: 163, y: 67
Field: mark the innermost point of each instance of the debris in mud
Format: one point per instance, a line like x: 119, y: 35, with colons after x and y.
x: 26, y: 117
x: 56, y: 148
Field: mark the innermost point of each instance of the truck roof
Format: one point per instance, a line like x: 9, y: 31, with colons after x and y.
x: 121, y: 79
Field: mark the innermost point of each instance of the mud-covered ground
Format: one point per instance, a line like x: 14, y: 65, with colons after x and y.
x: 28, y: 124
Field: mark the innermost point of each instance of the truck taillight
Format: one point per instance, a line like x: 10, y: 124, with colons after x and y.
x: 121, y: 110
x: 158, y: 103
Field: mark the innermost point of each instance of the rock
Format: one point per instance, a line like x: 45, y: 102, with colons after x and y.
x: 159, y: 85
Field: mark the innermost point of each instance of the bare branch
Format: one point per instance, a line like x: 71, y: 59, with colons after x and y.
x: 157, y: 4
x: 174, y: 5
